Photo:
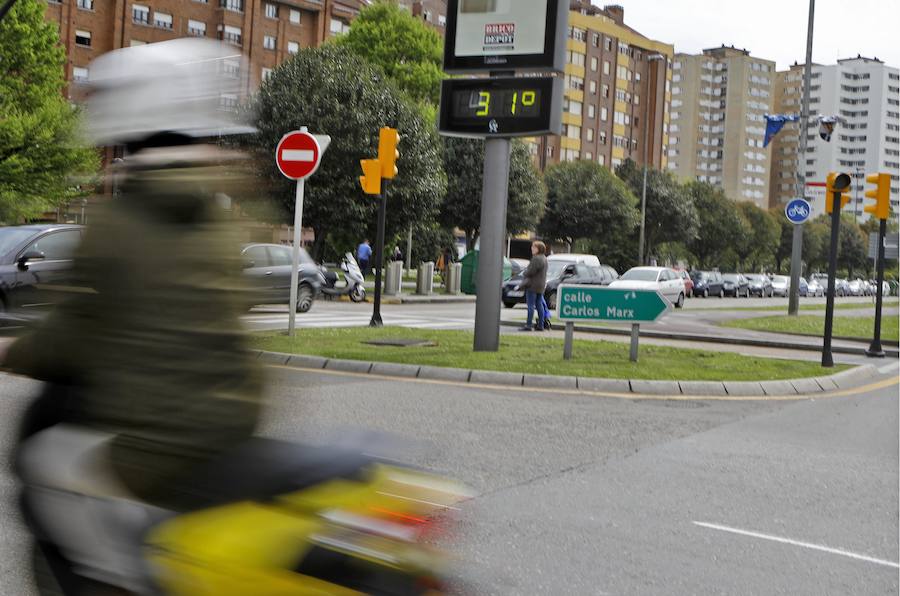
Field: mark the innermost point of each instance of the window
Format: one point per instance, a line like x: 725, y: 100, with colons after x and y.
x: 589, y: 156
x: 442, y: 20
x: 605, y: 90
x: 228, y: 101
x: 196, y: 28
x: 594, y: 87
x: 295, y: 16
x: 573, y: 132
x: 57, y: 246
x: 293, y: 47
x: 576, y: 58
x: 256, y: 256
x: 86, y: 4
x: 602, y: 137
x: 595, y: 40
x: 606, y: 67
x: 577, y: 34
x: 575, y: 82
x: 601, y: 159
x: 235, y: 5
x: 83, y: 38
x: 595, y: 64
x: 269, y: 42
x: 590, y: 136
x: 266, y: 73
x: 271, y: 10
x: 231, y: 34
x: 79, y: 74
x: 572, y: 106
x: 592, y: 111
x: 162, y: 20
x: 637, y: 76
x: 608, y: 45
x: 338, y: 27
x: 140, y: 14
x: 570, y: 154
x: 604, y: 114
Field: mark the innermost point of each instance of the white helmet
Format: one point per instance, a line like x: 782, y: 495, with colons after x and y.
x: 186, y: 87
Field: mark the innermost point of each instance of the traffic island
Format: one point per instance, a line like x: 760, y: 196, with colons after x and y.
x: 536, y: 362
x: 849, y: 327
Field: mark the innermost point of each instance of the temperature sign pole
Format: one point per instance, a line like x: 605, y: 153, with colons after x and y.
x: 298, y: 155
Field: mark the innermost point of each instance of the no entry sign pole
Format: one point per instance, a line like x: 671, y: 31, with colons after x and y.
x: 298, y: 156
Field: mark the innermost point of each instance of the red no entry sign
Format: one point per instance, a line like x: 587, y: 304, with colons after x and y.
x: 298, y: 155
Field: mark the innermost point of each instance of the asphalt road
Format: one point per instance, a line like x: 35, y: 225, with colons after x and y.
x: 592, y: 495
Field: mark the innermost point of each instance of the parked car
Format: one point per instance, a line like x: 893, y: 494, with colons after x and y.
x: 35, y: 266
x: 858, y: 287
x: 559, y: 271
x: 841, y: 287
x: 667, y: 281
x: 759, y: 285
x: 781, y: 285
x: 735, y: 284
x: 571, y: 257
x: 803, y: 289
x: 688, y: 283
x: 518, y: 265
x: 267, y: 268
x: 708, y: 283
x: 814, y: 288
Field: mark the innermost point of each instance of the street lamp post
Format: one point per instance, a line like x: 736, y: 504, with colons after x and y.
x: 650, y: 58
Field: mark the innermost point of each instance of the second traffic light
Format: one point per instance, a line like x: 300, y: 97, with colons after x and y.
x: 836, y: 183
x: 388, y: 139
x: 882, y: 195
x: 371, y: 178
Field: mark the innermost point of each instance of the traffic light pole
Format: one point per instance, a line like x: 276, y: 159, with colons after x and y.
x: 379, y: 255
x: 875, y: 350
x: 827, y: 359
x: 491, y: 237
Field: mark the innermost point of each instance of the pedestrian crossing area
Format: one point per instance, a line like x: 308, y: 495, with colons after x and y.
x: 313, y: 320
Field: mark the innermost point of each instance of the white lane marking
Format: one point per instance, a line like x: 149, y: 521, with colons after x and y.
x: 298, y: 155
x: 888, y: 368
x: 826, y: 549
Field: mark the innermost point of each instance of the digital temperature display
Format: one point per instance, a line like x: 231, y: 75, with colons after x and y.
x: 501, y: 107
x: 488, y: 103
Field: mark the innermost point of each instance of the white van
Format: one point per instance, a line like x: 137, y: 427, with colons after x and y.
x: 574, y: 258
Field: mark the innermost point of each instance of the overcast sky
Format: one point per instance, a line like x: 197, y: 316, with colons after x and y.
x: 772, y: 29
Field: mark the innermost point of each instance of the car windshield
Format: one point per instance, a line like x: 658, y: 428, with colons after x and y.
x: 732, y: 277
x: 554, y: 268
x: 11, y: 237
x: 699, y: 275
x: 781, y: 279
x: 640, y: 275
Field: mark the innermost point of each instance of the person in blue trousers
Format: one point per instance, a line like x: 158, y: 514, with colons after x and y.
x: 534, y: 281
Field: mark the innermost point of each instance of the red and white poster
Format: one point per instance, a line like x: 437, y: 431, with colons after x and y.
x: 500, y: 27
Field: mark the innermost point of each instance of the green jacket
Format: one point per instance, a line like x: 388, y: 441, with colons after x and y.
x: 152, y: 334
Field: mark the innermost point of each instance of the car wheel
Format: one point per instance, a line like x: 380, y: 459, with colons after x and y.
x: 358, y: 294
x: 304, y: 298
x: 680, y: 302
x: 706, y: 293
x: 721, y: 293
x: 509, y: 304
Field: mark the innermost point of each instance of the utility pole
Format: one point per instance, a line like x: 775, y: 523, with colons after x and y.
x: 797, y: 240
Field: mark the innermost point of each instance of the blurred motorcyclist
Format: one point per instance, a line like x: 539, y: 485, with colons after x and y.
x: 149, y: 345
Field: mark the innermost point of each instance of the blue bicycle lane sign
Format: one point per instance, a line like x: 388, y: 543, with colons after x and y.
x: 797, y: 211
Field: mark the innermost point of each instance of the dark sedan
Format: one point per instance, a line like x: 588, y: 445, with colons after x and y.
x: 267, y: 267
x: 736, y: 285
x: 708, y: 283
x: 760, y: 285
x: 35, y: 267
x: 560, y: 272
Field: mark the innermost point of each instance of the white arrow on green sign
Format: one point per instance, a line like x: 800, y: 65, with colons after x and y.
x: 614, y: 305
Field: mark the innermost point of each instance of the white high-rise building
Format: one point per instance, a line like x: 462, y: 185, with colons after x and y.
x: 866, y: 94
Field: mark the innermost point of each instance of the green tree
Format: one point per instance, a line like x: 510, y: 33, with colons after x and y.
x: 408, y: 50
x: 853, y: 245
x: 587, y: 201
x: 759, y: 244
x: 718, y: 223
x: 785, y: 239
x: 464, y: 165
x: 40, y: 153
x: 670, y: 216
x: 816, y: 238
x: 314, y: 89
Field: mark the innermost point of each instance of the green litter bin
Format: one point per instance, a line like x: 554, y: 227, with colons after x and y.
x: 469, y: 276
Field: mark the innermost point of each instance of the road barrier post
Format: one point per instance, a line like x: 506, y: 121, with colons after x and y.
x: 635, y: 336
x: 567, y: 342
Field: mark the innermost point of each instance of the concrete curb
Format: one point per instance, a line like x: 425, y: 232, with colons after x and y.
x: 847, y: 379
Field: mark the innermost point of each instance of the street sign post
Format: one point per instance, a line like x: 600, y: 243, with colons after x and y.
x: 797, y: 211
x: 297, y: 156
x: 609, y: 305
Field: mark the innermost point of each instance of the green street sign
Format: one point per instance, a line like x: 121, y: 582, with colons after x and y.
x: 613, y: 305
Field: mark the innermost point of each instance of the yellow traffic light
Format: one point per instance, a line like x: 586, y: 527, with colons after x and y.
x: 371, y: 178
x: 882, y: 195
x: 388, y: 139
x: 836, y: 183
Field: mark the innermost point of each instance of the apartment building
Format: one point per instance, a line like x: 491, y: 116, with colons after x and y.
x: 719, y: 101
x: 616, y: 103
x: 266, y: 31
x: 866, y: 94
x: 433, y: 12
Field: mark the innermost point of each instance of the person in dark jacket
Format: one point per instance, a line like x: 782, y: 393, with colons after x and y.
x: 534, y: 283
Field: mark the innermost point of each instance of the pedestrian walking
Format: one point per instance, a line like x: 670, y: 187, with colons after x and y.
x: 364, y: 255
x: 534, y: 282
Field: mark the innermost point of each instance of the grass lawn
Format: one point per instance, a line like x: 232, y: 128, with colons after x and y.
x: 888, y: 302
x: 538, y: 355
x: 815, y: 325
